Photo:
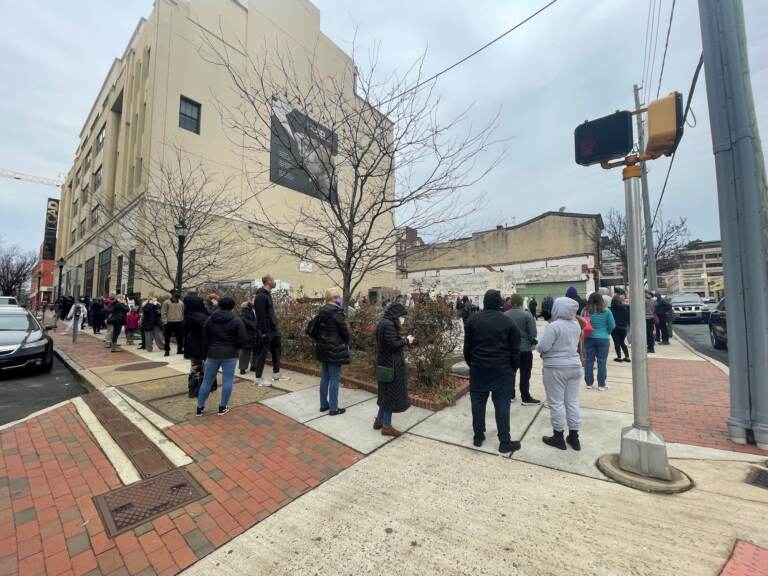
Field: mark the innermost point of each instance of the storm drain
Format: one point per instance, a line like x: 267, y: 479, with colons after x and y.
x: 140, y: 366
x: 758, y: 477
x: 145, y: 455
x: 130, y: 506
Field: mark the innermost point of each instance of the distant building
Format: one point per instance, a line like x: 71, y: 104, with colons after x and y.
x: 700, y: 270
x: 41, y: 281
x: 540, y: 257
x: 408, y: 239
x: 611, y: 266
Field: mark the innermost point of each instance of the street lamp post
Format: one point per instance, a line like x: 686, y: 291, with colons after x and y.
x: 38, y: 297
x: 61, y: 263
x: 181, y: 232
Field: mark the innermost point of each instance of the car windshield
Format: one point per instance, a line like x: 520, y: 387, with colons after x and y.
x: 9, y: 322
x: 686, y: 299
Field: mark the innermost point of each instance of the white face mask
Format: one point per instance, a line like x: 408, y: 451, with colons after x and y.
x: 402, y: 320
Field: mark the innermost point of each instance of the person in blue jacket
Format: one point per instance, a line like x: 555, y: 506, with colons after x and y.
x: 596, y: 346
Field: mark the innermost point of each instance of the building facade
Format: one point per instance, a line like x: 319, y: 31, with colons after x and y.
x: 42, y: 281
x: 163, y: 96
x: 540, y: 257
x: 700, y: 270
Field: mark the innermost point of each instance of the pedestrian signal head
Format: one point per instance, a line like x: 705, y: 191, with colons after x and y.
x: 665, y: 125
x: 604, y: 139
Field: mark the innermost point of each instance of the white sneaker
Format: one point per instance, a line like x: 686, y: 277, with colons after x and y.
x: 262, y: 382
x: 513, y: 400
x: 277, y: 377
x: 589, y: 387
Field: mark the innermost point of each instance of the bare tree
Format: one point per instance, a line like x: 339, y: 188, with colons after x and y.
x: 670, y: 237
x: 15, y: 269
x: 182, y: 191
x: 370, y: 154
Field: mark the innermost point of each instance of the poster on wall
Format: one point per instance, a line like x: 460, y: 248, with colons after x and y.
x: 51, y: 224
x: 302, y: 153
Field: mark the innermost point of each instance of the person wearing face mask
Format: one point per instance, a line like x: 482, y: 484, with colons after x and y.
x: 150, y: 324
x: 391, y: 372
x: 331, y: 349
x: 268, y: 335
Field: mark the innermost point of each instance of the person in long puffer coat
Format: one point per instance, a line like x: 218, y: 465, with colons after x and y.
x: 390, y: 345
x: 332, y: 350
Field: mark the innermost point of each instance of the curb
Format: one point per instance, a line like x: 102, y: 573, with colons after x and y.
x: 715, y: 363
x: 79, y: 371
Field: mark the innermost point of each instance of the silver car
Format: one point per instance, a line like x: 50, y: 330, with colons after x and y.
x: 690, y: 308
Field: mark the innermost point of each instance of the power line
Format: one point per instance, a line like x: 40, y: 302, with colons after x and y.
x: 685, y: 116
x: 655, y: 45
x: 468, y: 56
x: 666, y: 45
x: 645, y: 45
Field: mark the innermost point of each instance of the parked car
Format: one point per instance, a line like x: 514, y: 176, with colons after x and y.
x: 24, y: 343
x: 689, y: 307
x: 8, y: 301
x: 718, y: 327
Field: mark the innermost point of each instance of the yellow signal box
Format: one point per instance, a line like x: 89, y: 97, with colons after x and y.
x: 665, y: 125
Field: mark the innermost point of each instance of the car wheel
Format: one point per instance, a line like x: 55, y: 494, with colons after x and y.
x: 48, y: 362
x: 716, y: 342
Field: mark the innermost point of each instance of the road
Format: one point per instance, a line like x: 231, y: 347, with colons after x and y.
x: 22, y: 394
x: 697, y: 336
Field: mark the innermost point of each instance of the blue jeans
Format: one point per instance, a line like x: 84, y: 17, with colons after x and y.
x: 385, y: 417
x: 210, y: 368
x: 596, y: 348
x: 116, y: 329
x: 330, y: 375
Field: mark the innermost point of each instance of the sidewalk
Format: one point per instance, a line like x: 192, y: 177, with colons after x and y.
x: 305, y: 493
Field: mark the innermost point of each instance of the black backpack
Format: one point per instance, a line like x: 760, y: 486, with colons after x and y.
x: 313, y: 327
x: 546, y: 307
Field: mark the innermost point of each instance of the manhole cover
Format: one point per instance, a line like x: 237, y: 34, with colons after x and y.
x: 128, y: 507
x: 758, y: 477
x: 141, y: 366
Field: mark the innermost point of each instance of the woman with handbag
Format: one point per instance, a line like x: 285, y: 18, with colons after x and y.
x: 597, y: 340
x: 391, y: 372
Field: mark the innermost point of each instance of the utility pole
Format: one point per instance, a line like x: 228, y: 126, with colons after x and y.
x: 649, y: 250
x: 743, y: 204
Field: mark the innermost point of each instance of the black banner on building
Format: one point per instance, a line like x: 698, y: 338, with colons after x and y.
x: 51, y: 223
x: 302, y: 153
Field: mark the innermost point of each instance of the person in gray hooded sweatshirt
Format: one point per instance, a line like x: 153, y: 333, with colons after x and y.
x: 558, y: 346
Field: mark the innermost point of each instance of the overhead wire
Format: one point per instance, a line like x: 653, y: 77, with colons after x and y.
x: 655, y: 46
x: 666, y: 45
x: 645, y: 44
x: 685, y: 116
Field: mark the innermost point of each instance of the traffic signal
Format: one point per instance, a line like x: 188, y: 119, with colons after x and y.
x: 604, y: 139
x: 665, y: 125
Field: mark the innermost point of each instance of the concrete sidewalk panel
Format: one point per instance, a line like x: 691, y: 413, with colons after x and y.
x: 691, y: 452
x: 724, y: 478
x: 600, y: 434
x: 618, y: 397
x: 454, y: 424
x: 304, y: 405
x: 119, y: 376
x: 355, y: 428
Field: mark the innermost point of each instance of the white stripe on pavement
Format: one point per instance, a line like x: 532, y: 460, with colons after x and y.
x: 157, y: 420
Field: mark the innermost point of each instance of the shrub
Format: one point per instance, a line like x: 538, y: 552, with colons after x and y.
x: 292, y: 318
x: 363, y: 322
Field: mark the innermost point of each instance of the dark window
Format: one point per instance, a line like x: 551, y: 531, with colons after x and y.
x: 82, y: 228
x: 73, y: 237
x: 189, y: 115
x: 105, y: 265
x: 84, y: 194
x: 97, y: 179
x: 87, y: 161
x: 100, y: 139
x: 131, y: 271
x: 77, y: 178
x: 68, y: 284
x: 119, y: 281
x: 95, y: 215
x: 89, y: 269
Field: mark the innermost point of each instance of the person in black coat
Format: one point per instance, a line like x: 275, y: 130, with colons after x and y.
x: 223, y: 336
x: 620, y: 313
x: 195, y: 317
x: 248, y: 351
x: 492, y: 351
x: 331, y: 349
x: 532, y: 304
x: 96, y: 314
x: 119, y: 312
x: 151, y: 324
x: 393, y: 396
x: 662, y: 309
x: 268, y: 336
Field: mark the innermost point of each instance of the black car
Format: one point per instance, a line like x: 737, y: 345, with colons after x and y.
x: 23, y: 341
x: 718, y: 327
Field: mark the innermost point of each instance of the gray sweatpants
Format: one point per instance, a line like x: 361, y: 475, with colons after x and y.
x: 562, y: 386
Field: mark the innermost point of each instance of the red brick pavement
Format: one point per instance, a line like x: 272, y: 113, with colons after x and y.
x: 746, y: 560
x: 690, y: 403
x: 252, y: 461
x: 90, y: 352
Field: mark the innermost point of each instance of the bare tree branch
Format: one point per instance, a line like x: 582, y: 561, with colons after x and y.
x: 15, y: 269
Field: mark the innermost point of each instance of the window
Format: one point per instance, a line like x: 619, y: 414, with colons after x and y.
x: 87, y: 162
x: 97, y: 179
x: 73, y: 236
x: 100, y: 139
x: 95, y: 215
x: 75, y: 206
x: 82, y: 228
x: 189, y: 115
x: 77, y: 178
x: 105, y: 265
x: 84, y: 195
x: 89, y: 269
x: 131, y: 271
x: 119, y: 281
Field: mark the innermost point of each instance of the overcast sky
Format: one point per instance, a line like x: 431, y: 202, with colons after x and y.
x: 578, y: 60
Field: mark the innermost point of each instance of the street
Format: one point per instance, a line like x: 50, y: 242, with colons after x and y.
x: 22, y: 394
x: 697, y: 336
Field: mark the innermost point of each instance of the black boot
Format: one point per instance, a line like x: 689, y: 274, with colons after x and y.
x: 573, y: 440
x: 556, y: 440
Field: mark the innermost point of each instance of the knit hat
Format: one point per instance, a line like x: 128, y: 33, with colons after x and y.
x: 572, y: 292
